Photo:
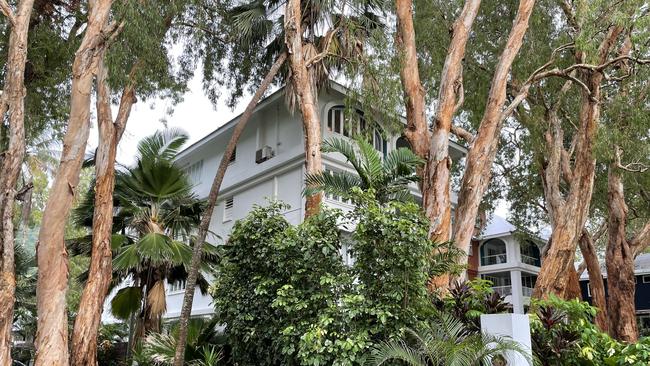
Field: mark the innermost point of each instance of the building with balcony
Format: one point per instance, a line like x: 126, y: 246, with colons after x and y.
x: 269, y: 164
x: 499, y: 254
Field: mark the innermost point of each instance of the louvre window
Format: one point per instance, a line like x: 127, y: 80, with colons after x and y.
x: 228, y: 208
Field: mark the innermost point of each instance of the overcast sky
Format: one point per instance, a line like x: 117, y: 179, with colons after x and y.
x: 196, y: 115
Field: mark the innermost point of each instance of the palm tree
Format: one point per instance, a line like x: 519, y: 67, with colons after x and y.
x: 156, y: 214
x: 388, y: 177
x: 445, y: 342
x: 203, y: 345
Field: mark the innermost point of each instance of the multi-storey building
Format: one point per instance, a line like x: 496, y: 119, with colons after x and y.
x: 269, y: 164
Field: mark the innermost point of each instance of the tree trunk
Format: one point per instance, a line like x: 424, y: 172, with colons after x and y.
x: 434, y: 147
x: 86, y: 326
x: 568, y: 213
x: 620, y: 264
x: 52, y: 335
x: 595, y: 279
x: 482, y: 152
x: 12, y: 101
x: 190, y: 283
x: 417, y: 130
x: 306, y: 96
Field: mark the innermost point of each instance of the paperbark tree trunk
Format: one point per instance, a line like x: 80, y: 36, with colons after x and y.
x: 482, y: 152
x: 417, y: 130
x: 305, y: 92
x: 12, y: 101
x: 52, y: 335
x: 568, y: 212
x: 433, y: 147
x: 595, y: 279
x: 86, y: 326
x: 190, y: 286
x: 620, y: 264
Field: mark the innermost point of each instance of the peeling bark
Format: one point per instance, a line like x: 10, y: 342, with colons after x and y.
x: 86, y: 326
x: 433, y: 147
x: 620, y: 264
x: 568, y: 212
x: 206, y: 216
x: 595, y: 279
x: 52, y: 335
x: 11, y: 103
x: 306, y: 96
x: 481, y: 155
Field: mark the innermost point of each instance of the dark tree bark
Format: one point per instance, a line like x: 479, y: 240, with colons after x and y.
x: 12, y: 104
x: 86, y: 326
x: 52, y: 335
x: 620, y: 264
x: 192, y: 275
x: 596, y: 283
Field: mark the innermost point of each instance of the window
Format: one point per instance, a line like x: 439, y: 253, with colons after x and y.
x: 337, y: 123
x: 233, y: 157
x: 228, y: 205
x: 528, y: 281
x: 493, y: 251
x: 530, y: 254
x: 501, y: 282
x: 194, y: 171
x: 646, y: 279
x: 379, y: 142
x: 402, y: 142
x: 178, y: 285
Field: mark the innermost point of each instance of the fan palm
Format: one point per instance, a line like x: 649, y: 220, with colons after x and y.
x: 445, y: 342
x: 155, y: 215
x: 202, y: 345
x: 388, y: 177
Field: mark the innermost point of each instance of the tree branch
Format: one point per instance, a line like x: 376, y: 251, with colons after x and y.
x: 462, y: 133
x: 8, y: 12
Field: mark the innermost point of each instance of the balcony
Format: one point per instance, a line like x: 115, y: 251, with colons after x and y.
x: 503, y: 290
x: 530, y: 260
x: 488, y: 260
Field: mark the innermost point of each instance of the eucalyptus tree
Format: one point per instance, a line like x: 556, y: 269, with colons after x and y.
x: 434, y: 145
x: 13, y: 107
x: 257, y: 34
x: 140, y: 63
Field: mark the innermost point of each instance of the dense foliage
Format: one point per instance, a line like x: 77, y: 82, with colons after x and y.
x: 287, y: 297
x: 563, y: 333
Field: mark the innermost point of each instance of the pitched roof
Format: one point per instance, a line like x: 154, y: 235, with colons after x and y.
x: 641, y: 267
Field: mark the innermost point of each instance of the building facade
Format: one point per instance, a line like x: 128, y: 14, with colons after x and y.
x: 641, y: 291
x: 269, y: 164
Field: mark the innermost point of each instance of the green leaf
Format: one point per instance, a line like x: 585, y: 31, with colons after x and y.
x: 126, y: 301
x: 155, y: 247
x: 128, y: 258
x: 118, y: 240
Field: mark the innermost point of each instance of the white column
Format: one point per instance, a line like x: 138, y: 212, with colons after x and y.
x: 517, y: 297
x: 514, y: 326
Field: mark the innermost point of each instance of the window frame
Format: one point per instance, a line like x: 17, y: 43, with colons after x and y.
x: 228, y: 208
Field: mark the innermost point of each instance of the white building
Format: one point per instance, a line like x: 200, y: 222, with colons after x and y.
x: 269, y: 163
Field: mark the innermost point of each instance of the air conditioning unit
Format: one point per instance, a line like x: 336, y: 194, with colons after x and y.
x: 264, y: 154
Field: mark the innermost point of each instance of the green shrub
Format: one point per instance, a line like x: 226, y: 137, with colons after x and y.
x: 287, y: 298
x: 563, y: 333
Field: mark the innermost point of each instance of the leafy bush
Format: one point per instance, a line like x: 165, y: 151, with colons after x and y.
x: 563, y: 333
x: 467, y: 300
x: 287, y: 298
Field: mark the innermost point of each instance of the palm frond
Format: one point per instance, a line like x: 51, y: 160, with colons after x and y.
x: 344, y: 148
x: 336, y: 183
x: 162, y: 145
x: 126, y: 301
x: 370, y: 161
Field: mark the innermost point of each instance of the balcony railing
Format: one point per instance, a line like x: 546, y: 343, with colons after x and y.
x: 503, y: 290
x: 488, y: 260
x: 527, y: 291
x: 530, y: 260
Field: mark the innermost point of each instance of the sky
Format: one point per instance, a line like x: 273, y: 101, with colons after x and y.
x: 195, y: 114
